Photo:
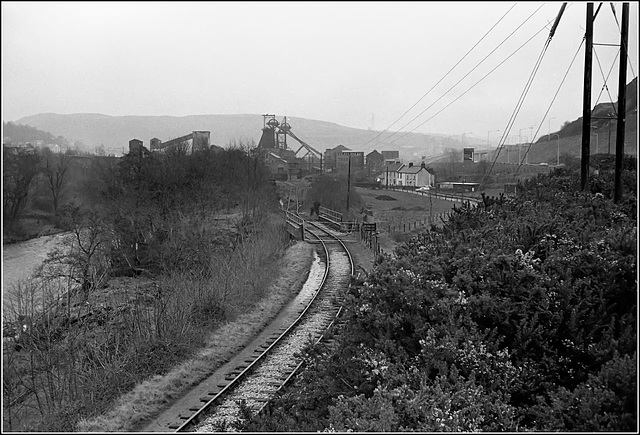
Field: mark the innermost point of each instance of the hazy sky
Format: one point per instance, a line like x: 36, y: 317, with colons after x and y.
x: 358, y: 64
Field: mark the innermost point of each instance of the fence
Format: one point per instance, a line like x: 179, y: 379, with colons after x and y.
x: 330, y: 215
x: 405, y: 227
x: 369, y: 236
x: 446, y: 196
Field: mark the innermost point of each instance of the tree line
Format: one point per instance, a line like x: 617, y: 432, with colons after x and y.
x: 153, y: 217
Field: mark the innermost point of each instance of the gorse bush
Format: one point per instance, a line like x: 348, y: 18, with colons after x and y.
x: 517, y: 314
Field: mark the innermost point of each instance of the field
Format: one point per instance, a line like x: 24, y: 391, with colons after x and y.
x: 400, y: 214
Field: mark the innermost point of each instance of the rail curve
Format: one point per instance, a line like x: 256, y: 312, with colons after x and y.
x: 267, y: 373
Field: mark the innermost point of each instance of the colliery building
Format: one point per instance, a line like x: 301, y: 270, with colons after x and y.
x: 390, y: 157
x: 331, y: 157
x: 283, y: 162
x: 374, y: 162
x: 190, y: 143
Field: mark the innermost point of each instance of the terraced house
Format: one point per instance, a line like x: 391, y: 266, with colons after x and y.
x: 400, y: 174
x: 417, y: 176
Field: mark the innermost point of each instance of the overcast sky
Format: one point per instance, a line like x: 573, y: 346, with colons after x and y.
x: 358, y: 64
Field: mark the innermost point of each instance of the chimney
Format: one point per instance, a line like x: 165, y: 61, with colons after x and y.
x: 422, y: 165
x: 410, y: 164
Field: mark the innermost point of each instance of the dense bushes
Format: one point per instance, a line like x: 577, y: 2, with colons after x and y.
x: 516, y: 315
x: 157, y: 203
x: 331, y: 192
x: 202, y: 230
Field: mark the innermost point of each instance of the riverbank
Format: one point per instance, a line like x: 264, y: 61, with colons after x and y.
x: 28, y: 228
x: 132, y: 328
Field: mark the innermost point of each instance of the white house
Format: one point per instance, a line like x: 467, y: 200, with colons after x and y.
x: 390, y: 175
x: 417, y: 176
x: 407, y: 175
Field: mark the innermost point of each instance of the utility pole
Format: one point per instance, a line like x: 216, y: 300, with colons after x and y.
x: 586, y: 101
x: 348, y: 182
x: 622, y: 103
x: 526, y: 156
x: 609, y: 143
x: 387, y: 177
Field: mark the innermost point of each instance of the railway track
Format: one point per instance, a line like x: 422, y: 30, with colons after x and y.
x: 250, y: 385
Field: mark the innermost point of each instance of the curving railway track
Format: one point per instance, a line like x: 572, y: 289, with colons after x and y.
x: 249, y: 385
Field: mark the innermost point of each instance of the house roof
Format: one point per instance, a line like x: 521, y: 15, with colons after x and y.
x: 410, y: 170
x: 338, y: 148
x: 413, y: 170
x: 394, y: 167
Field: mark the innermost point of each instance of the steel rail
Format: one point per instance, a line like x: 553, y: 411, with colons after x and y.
x: 336, y: 317
x: 199, y: 415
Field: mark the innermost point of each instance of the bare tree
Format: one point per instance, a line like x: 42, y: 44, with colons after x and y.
x: 56, y: 171
x: 19, y: 169
x: 453, y: 156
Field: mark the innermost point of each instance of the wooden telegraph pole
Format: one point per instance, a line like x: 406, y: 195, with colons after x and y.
x: 622, y: 100
x: 348, y: 183
x: 586, y: 101
x: 387, y: 178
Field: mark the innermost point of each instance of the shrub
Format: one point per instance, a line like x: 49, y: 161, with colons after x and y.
x: 518, y: 314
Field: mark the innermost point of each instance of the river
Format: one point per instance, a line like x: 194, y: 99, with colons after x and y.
x: 20, y: 260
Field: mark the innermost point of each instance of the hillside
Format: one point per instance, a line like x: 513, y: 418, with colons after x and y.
x: 22, y: 134
x: 570, y: 135
x: 114, y: 132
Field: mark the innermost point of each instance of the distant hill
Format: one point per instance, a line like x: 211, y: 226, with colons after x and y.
x: 114, y: 132
x: 22, y: 134
x: 570, y: 135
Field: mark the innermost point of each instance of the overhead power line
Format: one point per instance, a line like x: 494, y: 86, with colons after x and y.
x: 467, y: 74
x: 443, y: 77
x: 552, y: 101
x: 472, y: 86
x: 604, y: 85
x: 525, y: 91
x: 613, y: 9
x: 597, y: 100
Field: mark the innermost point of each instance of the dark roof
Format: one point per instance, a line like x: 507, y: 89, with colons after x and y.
x: 414, y: 169
x: 338, y: 148
x: 394, y: 167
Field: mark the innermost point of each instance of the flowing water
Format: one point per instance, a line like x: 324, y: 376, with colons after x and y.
x: 21, y: 260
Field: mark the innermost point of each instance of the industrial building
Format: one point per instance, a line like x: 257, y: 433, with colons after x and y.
x: 190, y: 143
x: 283, y: 162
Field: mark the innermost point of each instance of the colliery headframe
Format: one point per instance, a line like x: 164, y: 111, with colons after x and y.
x: 284, y: 163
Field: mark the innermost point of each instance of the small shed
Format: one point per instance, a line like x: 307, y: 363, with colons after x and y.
x: 459, y: 186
